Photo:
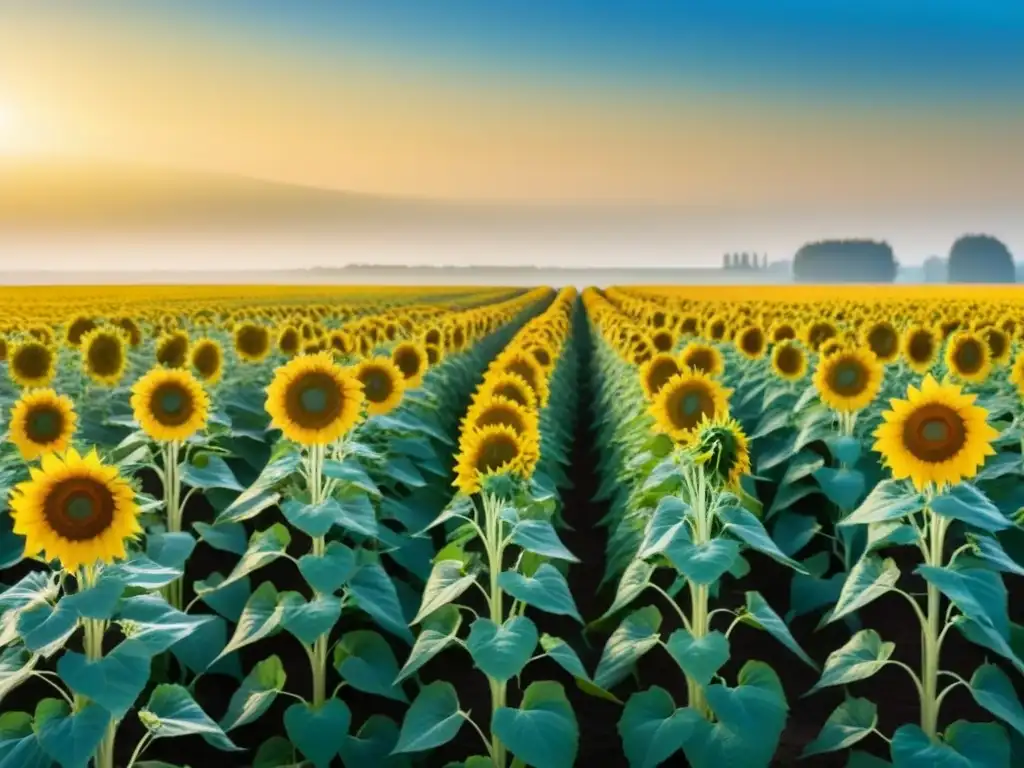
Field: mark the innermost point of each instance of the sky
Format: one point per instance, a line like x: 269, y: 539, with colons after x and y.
x: 895, y: 119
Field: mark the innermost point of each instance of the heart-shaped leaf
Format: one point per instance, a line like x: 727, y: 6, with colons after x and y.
x: 319, y: 733
x: 501, y: 651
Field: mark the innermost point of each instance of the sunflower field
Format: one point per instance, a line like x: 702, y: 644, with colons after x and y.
x: 493, y: 528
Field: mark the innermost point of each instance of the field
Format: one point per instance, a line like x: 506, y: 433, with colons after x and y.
x: 315, y: 526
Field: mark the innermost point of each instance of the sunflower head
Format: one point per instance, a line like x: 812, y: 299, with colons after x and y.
x: 526, y: 367
x: 32, y: 364
x: 411, y: 359
x: 663, y: 339
x: 42, y: 422
x: 998, y: 345
x: 789, y: 361
x: 968, y: 356
x: 288, y: 341
x: 207, y: 360
x: 77, y: 328
x: 848, y: 380
x: 656, y: 372
x: 920, y: 347
x: 496, y: 449
x: 383, y: 384
x: 104, y: 357
x: 75, y: 509
x: 252, y: 342
x: 170, y: 404
x: 313, y: 400
x: 172, y: 349
x: 491, y: 410
x: 883, y: 340
x: 131, y: 329
x: 434, y: 354
x: 1017, y: 374
x: 783, y: 332
x: 702, y: 357
x: 510, y: 386
x: 721, y: 447
x: 751, y: 342
x: 936, y: 437
x: 685, y: 401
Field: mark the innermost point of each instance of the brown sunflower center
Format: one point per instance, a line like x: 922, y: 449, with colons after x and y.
x: 206, y: 360
x: 848, y: 377
x: 314, y: 400
x: 968, y: 356
x: 252, y: 340
x: 171, y: 404
x: 660, y: 372
x: 512, y: 392
x: 78, y: 329
x: 752, y: 341
x: 882, y: 340
x: 44, y: 424
x: 934, y: 433
x: 701, y: 359
x: 717, y: 330
x: 289, y: 341
x: 433, y: 336
x: 524, y: 369
x: 542, y: 356
x: 105, y: 355
x: 433, y: 354
x: 688, y: 325
x: 996, y: 343
x: 377, y: 385
x: 784, y: 332
x: 79, y: 508
x: 172, y: 352
x: 688, y: 404
x: 495, y: 452
x: 921, y: 347
x: 500, y: 415
x: 408, y: 362
x: 789, y: 360
x: 32, y: 361
x: 663, y: 341
x: 819, y: 334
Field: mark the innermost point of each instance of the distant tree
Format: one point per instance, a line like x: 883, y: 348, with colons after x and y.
x: 745, y: 261
x: 980, y: 259
x: 935, y: 270
x: 845, y: 261
x: 725, y: 261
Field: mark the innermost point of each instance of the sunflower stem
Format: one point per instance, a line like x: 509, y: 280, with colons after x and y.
x: 175, y: 592
x: 930, y: 639
x: 699, y: 614
x: 495, y: 552
x: 318, y: 657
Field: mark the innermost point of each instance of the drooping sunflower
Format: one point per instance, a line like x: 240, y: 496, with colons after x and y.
x: 656, y: 372
x: 42, y: 422
x: 937, y: 436
x: 789, y: 361
x: 75, y: 509
x: 685, y: 400
x: 751, y: 342
x: 884, y: 340
x: 488, y: 411
x: 383, y: 384
x: 491, y: 450
x: 411, y: 359
x: 252, y: 342
x: 207, y: 360
x: 920, y: 348
x: 702, y: 357
x: 104, y: 358
x: 848, y: 380
x: 968, y: 356
x: 31, y: 364
x: 170, y: 404
x: 313, y: 400
x: 721, y: 447
x: 172, y: 349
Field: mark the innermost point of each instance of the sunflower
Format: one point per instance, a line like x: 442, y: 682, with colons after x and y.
x: 383, y: 384
x: 663, y: 340
x: 172, y: 349
x: 818, y: 333
x: 103, y: 355
x: 998, y: 345
x: 1017, y: 373
x: 789, y: 361
x: 543, y: 355
x: 848, y: 380
x: 252, y: 342
x: 783, y: 332
x: 170, y: 404
x: 883, y: 340
x: 75, y: 509
x: 751, y: 342
x: 131, y: 328
x: 830, y: 347
x: 208, y: 360
x: 655, y: 372
x: 936, y: 437
x: 288, y: 341
x: 723, y: 450
x: 488, y: 411
x: 42, y: 422
x: 685, y: 400
x: 524, y: 365
x: 716, y: 328
x: 968, y: 356
x: 492, y: 450
x: 920, y: 347
x: 411, y: 359
x: 32, y: 364
x: 77, y: 329
x: 511, y: 386
x: 3, y: 349
x: 313, y: 400
x: 702, y: 357
x: 434, y: 354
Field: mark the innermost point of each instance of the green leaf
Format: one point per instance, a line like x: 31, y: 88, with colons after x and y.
x: 350, y: 472
x: 172, y: 711
x: 860, y: 759
x: 113, y: 681
x: 653, y: 729
x: 247, y: 506
x: 766, y: 618
x: 96, y: 602
x: 256, y: 693
x: 749, y: 721
x: 502, y: 651
x: 261, y: 617
x: 404, y: 471
x: 991, y: 551
x: 889, y: 500
x: 71, y: 740
x: 198, y: 650
x: 699, y: 658
x: 151, y: 620
x: 979, y: 594
x: 889, y: 533
x: 793, y: 532
x: 276, y: 752
x: 843, y: 487
x: 540, y: 537
x: 966, y: 745
x: 431, y: 721
x: 327, y: 573
x: 635, y: 579
x: 264, y: 547
x: 967, y: 504
x: 309, y: 620
x: 667, y: 523
x: 543, y: 732
x: 547, y: 590
x: 366, y: 662
x: 993, y: 690
x: 374, y: 593
x: 438, y: 631
x: 637, y: 634
x: 868, y: 580
x: 372, y: 745
x: 319, y: 733
x: 858, y: 659
x: 562, y: 654
x: 446, y: 583
x: 44, y: 629
x: 744, y: 526
x: 226, y: 537
x: 703, y: 563
x: 215, y: 473
x: 850, y: 722
x: 987, y: 637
